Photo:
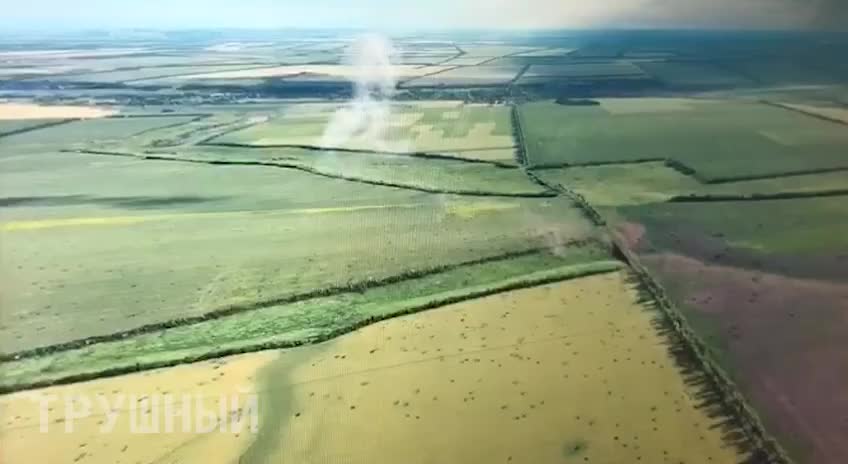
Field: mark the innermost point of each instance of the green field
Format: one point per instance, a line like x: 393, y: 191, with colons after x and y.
x: 652, y: 182
x: 13, y: 126
x: 693, y: 74
x: 113, y: 128
x: 460, y: 130
x: 615, y: 247
x: 792, y: 226
x: 313, y: 319
x: 98, y: 247
x: 705, y: 136
x: 467, y: 76
x: 142, y: 75
x: 584, y: 70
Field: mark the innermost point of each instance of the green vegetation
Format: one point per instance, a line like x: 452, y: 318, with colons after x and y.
x: 705, y: 136
x: 306, y: 321
x: 410, y: 172
x: 464, y: 76
x: 15, y: 126
x: 111, y: 128
x: 651, y: 182
x: 693, y: 74
x: 431, y: 127
x: 95, y: 248
x: 791, y: 226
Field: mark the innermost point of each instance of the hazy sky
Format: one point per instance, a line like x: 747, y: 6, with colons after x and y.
x: 426, y: 14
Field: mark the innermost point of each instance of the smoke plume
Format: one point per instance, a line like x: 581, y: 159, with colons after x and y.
x: 365, y: 120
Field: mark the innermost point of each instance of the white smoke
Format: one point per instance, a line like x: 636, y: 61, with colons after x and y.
x: 364, y: 122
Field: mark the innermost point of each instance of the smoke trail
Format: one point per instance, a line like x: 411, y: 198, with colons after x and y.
x: 365, y: 120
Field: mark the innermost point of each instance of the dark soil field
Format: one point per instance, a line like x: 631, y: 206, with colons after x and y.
x: 765, y: 284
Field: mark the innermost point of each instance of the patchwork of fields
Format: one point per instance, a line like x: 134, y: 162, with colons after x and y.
x: 514, y: 360
x: 705, y: 136
x: 452, y: 128
x: 606, y: 249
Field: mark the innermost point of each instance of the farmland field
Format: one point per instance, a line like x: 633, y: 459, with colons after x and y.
x: 765, y: 283
x: 462, y: 362
x: 72, y: 238
x: 116, y: 128
x: 481, y: 246
x: 467, y: 75
x: 462, y: 130
x: 705, y: 136
x: 652, y: 182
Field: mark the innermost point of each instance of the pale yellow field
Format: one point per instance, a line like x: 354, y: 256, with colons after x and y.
x: 341, y: 71
x: 839, y: 114
x: 568, y: 372
x: 9, y: 111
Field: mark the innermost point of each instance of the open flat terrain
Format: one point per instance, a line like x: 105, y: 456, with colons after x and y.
x: 73, y: 244
x: 452, y: 128
x: 704, y: 136
x: 764, y: 282
x: 514, y: 360
x: 612, y: 247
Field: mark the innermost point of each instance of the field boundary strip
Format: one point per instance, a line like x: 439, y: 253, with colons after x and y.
x: 403, y: 82
x: 310, y: 170
x: 168, y: 76
x: 804, y: 112
x: 36, y: 127
x: 560, y: 274
x: 696, y: 198
x: 171, y: 126
x: 411, y: 154
x: 351, y: 287
x: 687, y: 171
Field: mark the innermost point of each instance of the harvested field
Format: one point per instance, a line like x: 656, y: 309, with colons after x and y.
x: 435, y: 376
x: 17, y: 111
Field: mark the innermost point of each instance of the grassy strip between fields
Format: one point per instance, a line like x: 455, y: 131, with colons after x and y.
x: 697, y: 198
x: 317, y: 172
x: 286, y: 326
x: 259, y: 304
x: 37, y: 127
x: 412, y: 154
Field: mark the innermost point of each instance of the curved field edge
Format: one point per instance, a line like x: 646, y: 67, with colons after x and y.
x: 577, y: 250
x: 306, y: 167
x: 302, y: 320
